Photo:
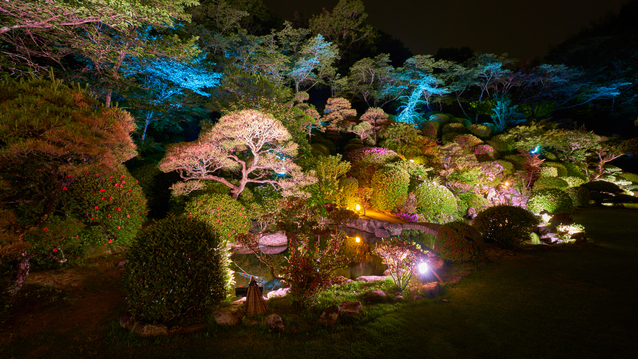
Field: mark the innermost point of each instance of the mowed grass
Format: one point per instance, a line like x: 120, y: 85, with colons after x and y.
x: 571, y: 301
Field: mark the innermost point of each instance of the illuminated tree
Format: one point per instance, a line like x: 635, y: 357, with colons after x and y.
x: 339, y: 114
x: 51, y: 134
x: 378, y: 120
x: 375, y: 81
x: 362, y: 129
x: 313, y: 64
x: 249, y: 143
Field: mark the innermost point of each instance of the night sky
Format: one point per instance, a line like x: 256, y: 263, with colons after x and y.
x: 524, y: 29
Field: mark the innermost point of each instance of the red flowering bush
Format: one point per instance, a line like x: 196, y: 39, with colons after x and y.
x: 401, y: 257
x: 459, y: 242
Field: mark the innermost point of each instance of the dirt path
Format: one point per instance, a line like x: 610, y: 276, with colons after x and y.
x: 79, y: 304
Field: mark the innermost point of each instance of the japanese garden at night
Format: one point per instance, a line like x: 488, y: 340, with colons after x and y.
x: 227, y: 178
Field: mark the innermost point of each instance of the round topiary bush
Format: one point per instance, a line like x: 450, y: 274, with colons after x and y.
x: 508, y: 167
x: 574, y: 170
x: 508, y: 226
x: 227, y: 215
x: 603, y: 186
x: 573, y: 181
x: 177, y: 271
x: 365, y: 161
x: 389, y: 187
x: 459, y: 242
x: 453, y: 127
x: 435, y: 202
x: 548, y: 172
x: 561, y: 170
x: 430, y: 129
x: 468, y: 142
x: 479, y: 130
x: 580, y: 196
x: 470, y: 199
x: 550, y: 200
x: 630, y: 177
x: 550, y: 182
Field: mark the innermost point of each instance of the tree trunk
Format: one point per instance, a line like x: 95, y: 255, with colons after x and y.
x: 20, y: 273
x: 109, y: 92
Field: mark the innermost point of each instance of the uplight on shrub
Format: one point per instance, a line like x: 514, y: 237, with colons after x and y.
x: 423, y: 267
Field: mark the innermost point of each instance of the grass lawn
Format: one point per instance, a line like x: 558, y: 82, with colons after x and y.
x: 571, y: 301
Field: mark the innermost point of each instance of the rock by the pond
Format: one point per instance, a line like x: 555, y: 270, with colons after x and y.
x: 229, y: 315
x: 276, y: 239
x: 329, y: 315
x: 371, y: 278
x: 431, y: 290
x: 275, y: 323
x: 150, y: 330
x: 376, y: 295
x: 395, y: 229
x: 272, y: 249
x: 381, y: 233
x: 350, y: 309
x: 277, y: 293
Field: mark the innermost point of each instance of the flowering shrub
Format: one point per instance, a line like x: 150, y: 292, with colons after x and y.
x: 459, y: 242
x: 177, y: 271
x: 508, y: 167
x: 550, y: 200
x: 401, y: 257
x: 227, y: 215
x: 365, y: 161
x: 408, y: 217
x: 110, y: 205
x: 485, y: 153
x: 550, y: 182
x: 435, y: 202
x: 390, y: 187
x: 508, y: 226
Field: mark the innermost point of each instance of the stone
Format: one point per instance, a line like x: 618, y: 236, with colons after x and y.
x: 187, y: 330
x: 445, y: 301
x: 579, y: 237
x: 329, y: 315
x: 350, y: 310
x: 435, y: 263
x: 239, y: 301
x: 150, y: 330
x: 381, y: 233
x: 398, y: 298
x: 271, y: 249
x: 276, y: 239
x: 376, y: 295
x: 229, y: 316
x: 394, y: 229
x: 122, y: 265
x: 126, y: 320
x: 431, y: 290
x: 418, y: 297
x: 275, y: 323
x: 452, y: 278
x: 277, y: 293
x: 371, y: 278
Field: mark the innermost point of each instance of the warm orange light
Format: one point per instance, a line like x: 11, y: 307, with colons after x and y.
x: 412, y: 161
x: 358, y: 207
x: 357, y: 239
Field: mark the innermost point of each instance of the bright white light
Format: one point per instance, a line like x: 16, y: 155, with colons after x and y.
x: 546, y: 217
x: 357, y: 239
x: 423, y: 267
x: 357, y: 207
x: 412, y: 161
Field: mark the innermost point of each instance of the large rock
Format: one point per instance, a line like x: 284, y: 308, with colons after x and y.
x: 229, y: 315
x: 275, y: 323
x: 350, y: 309
x: 329, y: 315
x: 272, y: 250
x: 276, y: 239
x: 381, y: 233
x: 431, y: 290
x: 395, y: 229
x: 375, y: 296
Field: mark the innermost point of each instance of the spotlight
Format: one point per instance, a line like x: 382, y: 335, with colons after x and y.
x: 423, y: 267
x: 357, y: 239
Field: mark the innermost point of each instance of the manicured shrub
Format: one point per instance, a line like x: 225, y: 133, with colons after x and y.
x: 580, y: 196
x: 603, y: 186
x: 485, y: 153
x: 459, y: 242
x: 501, y: 144
x: 624, y: 198
x: 449, y: 137
x: 435, y: 202
x: 365, y: 161
x: 561, y: 170
x: 471, y: 199
x: 468, y: 142
x: 479, y: 130
x: 574, y: 170
x: 389, y: 187
x: 430, y: 129
x: 508, y: 167
x: 320, y: 149
x: 453, y: 127
x: 347, y: 197
x: 548, y: 172
x: 227, y: 215
x: 440, y: 118
x: 550, y: 200
x: 573, y: 181
x: 509, y: 226
x: 177, y: 271
x: 516, y: 160
x: 550, y: 182
x: 630, y: 177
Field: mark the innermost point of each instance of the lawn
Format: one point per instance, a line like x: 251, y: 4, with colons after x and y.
x: 569, y: 301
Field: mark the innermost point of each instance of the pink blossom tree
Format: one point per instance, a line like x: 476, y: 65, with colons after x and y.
x: 252, y: 145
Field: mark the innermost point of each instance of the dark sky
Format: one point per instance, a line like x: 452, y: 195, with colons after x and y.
x: 524, y: 29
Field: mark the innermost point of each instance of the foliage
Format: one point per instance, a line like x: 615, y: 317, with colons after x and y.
x: 314, y: 246
x: 532, y: 166
x: 390, y: 187
x: 405, y: 139
x: 348, y: 192
x: 378, y: 120
x: 508, y: 226
x: 505, y: 113
x: 471, y: 200
x: 573, y: 181
x: 401, y: 257
x: 329, y: 170
x: 630, y: 177
x: 580, y: 196
x: 250, y: 143
x: 221, y: 212
x: 339, y: 114
x: 365, y: 161
x: 561, y: 170
x: 459, y: 242
x: 375, y: 81
x: 469, y: 142
x: 602, y: 186
x: 480, y: 130
x: 550, y: 200
x: 565, y: 231
x: 548, y: 172
x: 435, y: 202
x: 550, y: 182
x: 177, y: 271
